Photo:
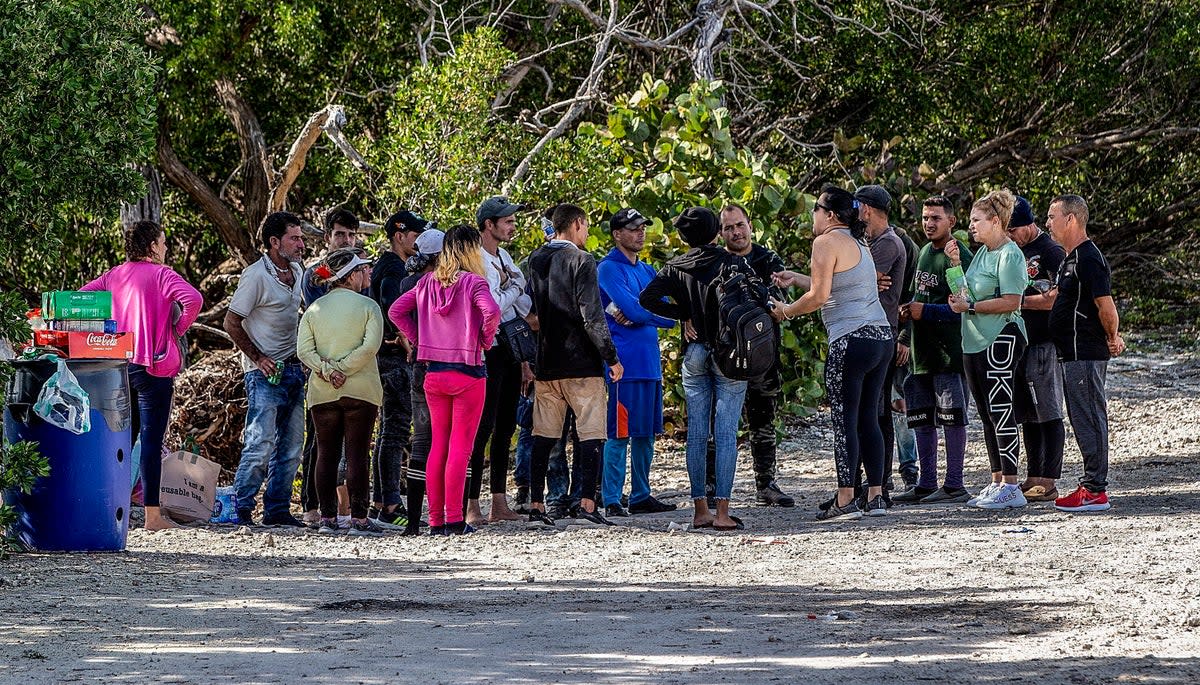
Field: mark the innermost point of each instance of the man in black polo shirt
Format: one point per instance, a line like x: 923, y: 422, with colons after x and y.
x: 1085, y: 328
x: 1039, y: 389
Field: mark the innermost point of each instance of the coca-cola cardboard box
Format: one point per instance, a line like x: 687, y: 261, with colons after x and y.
x: 81, y: 345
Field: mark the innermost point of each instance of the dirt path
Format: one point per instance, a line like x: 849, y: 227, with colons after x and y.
x: 928, y: 594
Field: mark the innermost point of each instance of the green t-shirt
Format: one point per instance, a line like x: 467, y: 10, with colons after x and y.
x: 991, y: 275
x: 936, y: 344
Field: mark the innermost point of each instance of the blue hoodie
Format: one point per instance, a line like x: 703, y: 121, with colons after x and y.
x: 637, y: 345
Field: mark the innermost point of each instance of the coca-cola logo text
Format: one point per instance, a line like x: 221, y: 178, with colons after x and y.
x: 102, y: 339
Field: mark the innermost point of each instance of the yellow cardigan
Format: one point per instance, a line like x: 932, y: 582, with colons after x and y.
x: 342, y: 331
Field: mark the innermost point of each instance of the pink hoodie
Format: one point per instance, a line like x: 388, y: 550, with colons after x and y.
x: 454, y: 324
x: 143, y: 293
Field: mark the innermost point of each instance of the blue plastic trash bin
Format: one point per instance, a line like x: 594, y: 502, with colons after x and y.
x: 83, y: 505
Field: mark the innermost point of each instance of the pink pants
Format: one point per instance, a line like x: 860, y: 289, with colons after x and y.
x: 455, y: 404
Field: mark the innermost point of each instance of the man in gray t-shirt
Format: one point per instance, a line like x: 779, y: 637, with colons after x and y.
x: 887, y: 249
x: 263, y: 316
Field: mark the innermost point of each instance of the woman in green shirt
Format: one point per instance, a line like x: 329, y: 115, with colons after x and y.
x: 339, y: 336
x: 993, y: 339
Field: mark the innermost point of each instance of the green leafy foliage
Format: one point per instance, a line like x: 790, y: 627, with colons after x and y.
x: 77, y: 104
x: 21, y: 464
x: 667, y: 153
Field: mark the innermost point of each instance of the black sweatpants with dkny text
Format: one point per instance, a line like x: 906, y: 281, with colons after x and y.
x: 991, y: 375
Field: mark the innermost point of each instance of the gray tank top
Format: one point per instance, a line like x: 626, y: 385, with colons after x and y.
x: 854, y: 298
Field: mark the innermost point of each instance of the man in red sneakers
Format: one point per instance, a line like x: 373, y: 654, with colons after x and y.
x: 1084, y: 325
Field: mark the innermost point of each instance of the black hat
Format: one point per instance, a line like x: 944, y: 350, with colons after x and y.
x: 697, y: 226
x: 626, y: 218
x: 497, y: 208
x: 1022, y: 214
x: 405, y: 220
x: 874, y: 196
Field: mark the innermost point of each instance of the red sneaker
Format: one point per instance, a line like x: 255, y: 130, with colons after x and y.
x: 1083, y: 500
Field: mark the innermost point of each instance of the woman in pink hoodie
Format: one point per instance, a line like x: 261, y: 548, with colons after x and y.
x: 156, y: 306
x: 456, y: 321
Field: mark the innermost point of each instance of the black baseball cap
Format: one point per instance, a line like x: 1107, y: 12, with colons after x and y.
x: 874, y: 196
x: 626, y: 218
x: 405, y: 220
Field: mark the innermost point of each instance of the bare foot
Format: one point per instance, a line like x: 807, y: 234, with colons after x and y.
x: 156, y: 520
x: 500, y: 511
x: 703, y: 518
x: 475, y: 515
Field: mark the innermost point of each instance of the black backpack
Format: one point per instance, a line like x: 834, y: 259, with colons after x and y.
x: 747, y: 344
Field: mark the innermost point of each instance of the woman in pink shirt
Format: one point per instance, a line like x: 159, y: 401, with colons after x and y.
x: 456, y: 321
x: 145, y: 291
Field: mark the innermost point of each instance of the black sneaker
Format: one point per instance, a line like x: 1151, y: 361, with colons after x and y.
x: 592, y: 516
x: 558, y: 511
x: 850, y: 512
x: 246, y: 517
x: 772, y: 495
x: 615, y: 511
x: 912, y: 495
x: 285, y: 519
x: 459, y: 528
x: 877, y: 507
x: 539, y: 516
x: 366, y: 527
x: 397, y: 517
x: 521, y: 501
x: 650, y: 505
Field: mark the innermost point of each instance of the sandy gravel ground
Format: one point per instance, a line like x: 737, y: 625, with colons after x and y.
x: 927, y: 594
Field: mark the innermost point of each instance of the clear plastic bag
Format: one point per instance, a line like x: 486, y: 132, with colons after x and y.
x: 63, y: 403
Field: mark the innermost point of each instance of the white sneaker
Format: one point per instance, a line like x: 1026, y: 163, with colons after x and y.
x: 991, y: 489
x: 1007, y: 497
x: 343, y: 522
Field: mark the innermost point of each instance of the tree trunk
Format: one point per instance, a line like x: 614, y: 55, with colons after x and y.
x: 149, y: 208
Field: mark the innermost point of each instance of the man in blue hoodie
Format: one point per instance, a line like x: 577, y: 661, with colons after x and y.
x: 634, y: 402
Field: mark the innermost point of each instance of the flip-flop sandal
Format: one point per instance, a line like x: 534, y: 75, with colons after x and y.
x: 702, y: 525
x: 738, y: 525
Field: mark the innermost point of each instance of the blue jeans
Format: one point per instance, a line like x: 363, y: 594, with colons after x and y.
x: 272, y: 441
x: 152, y: 397
x: 702, y: 383
x: 641, y: 452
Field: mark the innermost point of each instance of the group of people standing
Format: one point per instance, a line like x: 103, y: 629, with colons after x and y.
x: 449, y: 345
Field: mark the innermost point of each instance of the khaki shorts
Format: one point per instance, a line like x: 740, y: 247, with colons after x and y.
x: 587, y: 397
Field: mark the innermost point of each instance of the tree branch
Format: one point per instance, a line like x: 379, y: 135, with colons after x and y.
x: 256, y: 167
x: 227, y: 225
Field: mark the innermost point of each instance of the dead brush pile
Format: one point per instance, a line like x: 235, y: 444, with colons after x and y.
x: 210, y: 409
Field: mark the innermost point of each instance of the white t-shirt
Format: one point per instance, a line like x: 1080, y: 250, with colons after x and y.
x: 270, y: 309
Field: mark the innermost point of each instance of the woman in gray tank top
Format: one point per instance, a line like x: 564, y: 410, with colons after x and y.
x: 843, y: 287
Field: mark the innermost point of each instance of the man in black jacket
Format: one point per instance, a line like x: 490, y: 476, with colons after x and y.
x: 395, y: 419
x: 712, y: 399
x: 574, y: 344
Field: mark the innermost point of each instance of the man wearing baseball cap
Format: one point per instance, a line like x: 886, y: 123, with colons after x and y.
x: 887, y: 250
x: 496, y: 220
x: 403, y: 229
x: 1038, y: 393
x: 635, y: 401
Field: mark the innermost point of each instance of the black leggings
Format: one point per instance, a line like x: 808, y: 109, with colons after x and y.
x: 990, y: 377
x: 344, y: 427
x: 497, y: 423
x: 854, y: 374
x: 587, y: 466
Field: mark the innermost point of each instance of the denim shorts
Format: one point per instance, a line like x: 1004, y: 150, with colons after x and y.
x: 935, y: 399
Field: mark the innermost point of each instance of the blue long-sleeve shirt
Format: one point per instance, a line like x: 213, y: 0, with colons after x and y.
x: 621, y: 282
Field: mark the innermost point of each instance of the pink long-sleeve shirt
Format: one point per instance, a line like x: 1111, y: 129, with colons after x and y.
x: 143, y: 293
x: 454, y: 324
